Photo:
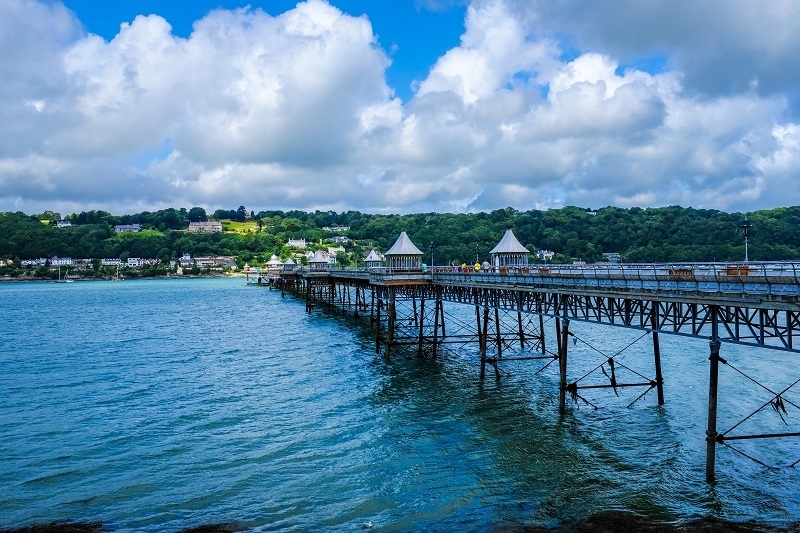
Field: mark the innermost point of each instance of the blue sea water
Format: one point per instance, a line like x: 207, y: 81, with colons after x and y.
x: 156, y: 405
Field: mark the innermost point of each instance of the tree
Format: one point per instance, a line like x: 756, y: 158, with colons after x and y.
x: 197, y: 214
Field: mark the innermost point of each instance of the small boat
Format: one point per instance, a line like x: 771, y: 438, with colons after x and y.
x: 64, y: 279
x: 117, y: 277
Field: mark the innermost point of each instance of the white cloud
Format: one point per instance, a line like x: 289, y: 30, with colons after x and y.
x: 293, y: 111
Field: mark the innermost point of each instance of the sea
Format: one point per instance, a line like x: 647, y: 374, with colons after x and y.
x: 159, y: 405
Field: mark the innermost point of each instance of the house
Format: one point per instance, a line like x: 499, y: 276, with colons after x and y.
x: 545, y: 255
x: 211, y: 226
x: 186, y: 260
x: 336, y: 228
x: 335, y: 250
x: 340, y: 239
x: 296, y: 243
x: 205, y: 262
x: 119, y: 228
x: 134, y: 262
x: 63, y: 224
x: 61, y: 261
x: 110, y: 262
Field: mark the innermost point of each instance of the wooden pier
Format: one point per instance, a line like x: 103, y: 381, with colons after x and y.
x: 753, y: 304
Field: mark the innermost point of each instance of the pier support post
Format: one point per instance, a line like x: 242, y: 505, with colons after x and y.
x: 378, y: 324
x: 436, y: 310
x: 391, y: 316
x: 657, y: 353
x: 541, y: 332
x: 483, y: 336
x: 563, y: 339
x: 713, y: 385
x: 421, y: 325
x: 372, y: 308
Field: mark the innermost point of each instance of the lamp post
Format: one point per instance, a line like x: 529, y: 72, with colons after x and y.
x: 433, y: 247
x: 476, y: 253
x: 745, y: 227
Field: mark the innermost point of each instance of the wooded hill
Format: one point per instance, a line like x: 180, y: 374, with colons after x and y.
x: 638, y: 235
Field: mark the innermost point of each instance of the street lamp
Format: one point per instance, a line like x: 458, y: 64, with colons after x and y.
x: 476, y: 253
x: 433, y: 247
x: 745, y: 227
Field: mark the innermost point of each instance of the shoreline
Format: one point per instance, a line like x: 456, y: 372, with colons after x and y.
x: 174, y: 276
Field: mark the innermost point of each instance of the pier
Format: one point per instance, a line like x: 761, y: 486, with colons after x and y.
x: 408, y: 305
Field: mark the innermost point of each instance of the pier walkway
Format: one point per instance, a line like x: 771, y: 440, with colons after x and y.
x: 752, y: 304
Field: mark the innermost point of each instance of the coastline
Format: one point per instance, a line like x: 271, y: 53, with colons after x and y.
x: 27, y: 279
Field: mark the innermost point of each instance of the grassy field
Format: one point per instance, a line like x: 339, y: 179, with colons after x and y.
x: 235, y: 226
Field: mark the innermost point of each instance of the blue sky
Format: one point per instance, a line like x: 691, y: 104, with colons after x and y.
x: 399, y: 106
x: 413, y: 35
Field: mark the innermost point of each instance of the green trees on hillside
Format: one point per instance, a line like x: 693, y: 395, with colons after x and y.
x: 639, y: 235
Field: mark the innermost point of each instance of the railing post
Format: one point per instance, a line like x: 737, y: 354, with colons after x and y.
x: 713, y: 384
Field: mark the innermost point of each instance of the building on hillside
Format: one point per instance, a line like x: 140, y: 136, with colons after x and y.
x: 60, y: 261
x: 336, y: 228
x: 210, y: 226
x: 34, y: 262
x: 545, y: 255
x: 63, y: 224
x: 186, y: 260
x: 134, y: 262
x: 296, y: 243
x: 340, y: 239
x: 334, y: 251
x: 404, y: 255
x: 110, y: 262
x: 120, y: 228
x: 509, y: 253
x: 612, y: 257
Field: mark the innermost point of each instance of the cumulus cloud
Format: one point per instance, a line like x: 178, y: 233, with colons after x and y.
x: 541, y: 105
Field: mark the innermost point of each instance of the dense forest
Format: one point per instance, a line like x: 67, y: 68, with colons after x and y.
x: 638, y: 235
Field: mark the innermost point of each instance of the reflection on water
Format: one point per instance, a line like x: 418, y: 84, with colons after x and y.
x: 159, y: 405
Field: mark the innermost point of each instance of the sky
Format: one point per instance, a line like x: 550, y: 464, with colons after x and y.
x: 399, y: 106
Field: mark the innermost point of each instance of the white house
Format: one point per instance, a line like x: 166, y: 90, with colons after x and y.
x: 61, y: 261
x: 211, y: 226
x: 127, y: 227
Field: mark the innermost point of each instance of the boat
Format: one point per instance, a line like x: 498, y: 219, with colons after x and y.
x: 117, y: 277
x: 64, y: 279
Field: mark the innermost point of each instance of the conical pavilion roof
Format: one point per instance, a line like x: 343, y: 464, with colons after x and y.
x: 274, y: 261
x: 289, y: 262
x: 404, y: 246
x: 509, y: 245
x: 318, y: 258
x: 373, y: 256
